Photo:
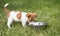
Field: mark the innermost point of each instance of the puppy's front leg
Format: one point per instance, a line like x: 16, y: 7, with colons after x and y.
x: 10, y: 20
x: 24, y: 23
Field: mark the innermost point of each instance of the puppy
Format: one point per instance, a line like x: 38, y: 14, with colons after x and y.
x: 18, y: 16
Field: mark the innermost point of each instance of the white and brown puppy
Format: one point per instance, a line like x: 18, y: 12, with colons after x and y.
x: 22, y: 17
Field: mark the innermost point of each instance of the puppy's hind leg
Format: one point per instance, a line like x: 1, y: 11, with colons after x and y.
x: 10, y: 20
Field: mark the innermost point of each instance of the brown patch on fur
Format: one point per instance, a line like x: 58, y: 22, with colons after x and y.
x: 19, y: 15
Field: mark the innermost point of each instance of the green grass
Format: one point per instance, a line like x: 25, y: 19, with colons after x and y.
x: 47, y: 11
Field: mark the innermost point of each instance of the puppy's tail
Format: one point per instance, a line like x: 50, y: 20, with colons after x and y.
x: 5, y: 9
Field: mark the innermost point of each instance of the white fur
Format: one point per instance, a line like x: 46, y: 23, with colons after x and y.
x: 6, y: 5
x: 13, y: 17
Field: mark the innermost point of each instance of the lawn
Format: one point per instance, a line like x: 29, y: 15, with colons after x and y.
x: 47, y: 11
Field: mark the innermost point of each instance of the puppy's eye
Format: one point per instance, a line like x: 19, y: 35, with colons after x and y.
x: 29, y: 16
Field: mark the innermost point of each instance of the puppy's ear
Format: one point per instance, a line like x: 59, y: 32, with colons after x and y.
x: 28, y: 15
x: 35, y: 14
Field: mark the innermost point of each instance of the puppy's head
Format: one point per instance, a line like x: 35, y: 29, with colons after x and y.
x: 31, y: 16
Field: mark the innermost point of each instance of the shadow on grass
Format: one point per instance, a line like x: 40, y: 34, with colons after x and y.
x: 38, y: 29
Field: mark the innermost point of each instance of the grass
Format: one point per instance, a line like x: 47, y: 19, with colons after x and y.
x: 47, y: 11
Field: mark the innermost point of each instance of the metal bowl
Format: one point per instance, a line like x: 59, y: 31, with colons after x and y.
x: 37, y: 23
